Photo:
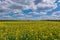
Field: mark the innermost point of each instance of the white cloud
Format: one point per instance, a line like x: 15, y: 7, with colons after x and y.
x: 17, y: 6
x: 49, y: 1
x: 4, y: 11
x: 58, y: 1
x: 57, y: 14
x: 34, y: 13
x: 46, y: 6
x: 37, y: 13
x: 54, y: 16
x: 4, y: 17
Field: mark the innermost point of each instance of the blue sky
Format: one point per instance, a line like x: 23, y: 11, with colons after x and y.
x: 30, y: 10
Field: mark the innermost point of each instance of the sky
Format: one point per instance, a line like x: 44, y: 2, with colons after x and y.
x: 29, y: 9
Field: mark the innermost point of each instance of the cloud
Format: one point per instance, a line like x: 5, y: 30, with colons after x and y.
x: 4, y: 11
x: 39, y: 7
x: 57, y: 14
x: 37, y: 13
x: 58, y: 1
x: 46, y: 7
x: 4, y: 17
x: 54, y: 16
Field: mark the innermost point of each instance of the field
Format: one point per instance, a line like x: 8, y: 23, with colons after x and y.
x: 29, y: 30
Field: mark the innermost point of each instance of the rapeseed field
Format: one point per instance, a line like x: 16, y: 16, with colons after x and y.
x: 30, y: 30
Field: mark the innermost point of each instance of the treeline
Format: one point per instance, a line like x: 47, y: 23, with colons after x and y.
x: 51, y: 20
x: 26, y: 20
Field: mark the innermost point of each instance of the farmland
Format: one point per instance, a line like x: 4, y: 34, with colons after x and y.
x: 29, y: 30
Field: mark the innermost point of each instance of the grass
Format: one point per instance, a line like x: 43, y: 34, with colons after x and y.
x: 29, y: 30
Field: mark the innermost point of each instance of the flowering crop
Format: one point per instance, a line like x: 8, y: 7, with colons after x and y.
x: 30, y: 30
